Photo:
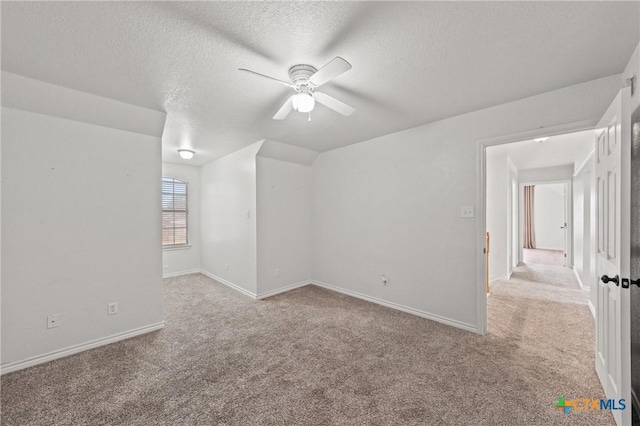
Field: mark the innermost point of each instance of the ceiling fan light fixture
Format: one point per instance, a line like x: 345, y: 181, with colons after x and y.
x: 187, y: 154
x: 303, y: 102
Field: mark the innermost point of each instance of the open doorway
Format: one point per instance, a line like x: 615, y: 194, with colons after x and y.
x: 545, y: 223
x: 549, y: 167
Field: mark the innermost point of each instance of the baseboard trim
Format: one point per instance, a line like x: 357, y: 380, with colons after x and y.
x: 177, y: 274
x: 71, y: 350
x: 392, y: 305
x: 229, y: 284
x: 582, y: 286
x: 503, y: 278
x: 592, y: 309
x: 283, y: 289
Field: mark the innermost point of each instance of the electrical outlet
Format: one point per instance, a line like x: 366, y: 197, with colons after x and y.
x: 277, y: 272
x: 112, y: 308
x: 53, y: 321
x: 466, y: 211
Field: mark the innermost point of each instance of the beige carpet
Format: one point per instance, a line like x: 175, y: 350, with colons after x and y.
x: 543, y: 257
x: 314, y: 357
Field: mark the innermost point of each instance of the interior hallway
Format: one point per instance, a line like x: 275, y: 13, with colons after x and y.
x: 543, y: 257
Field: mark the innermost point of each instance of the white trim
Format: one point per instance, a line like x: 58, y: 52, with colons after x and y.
x: 503, y: 278
x: 177, y: 274
x: 481, y: 238
x: 561, y: 129
x: 582, y: 286
x: 584, y: 162
x: 71, y: 350
x: 592, y: 309
x: 283, y: 289
x: 176, y: 247
x: 229, y: 284
x: 417, y: 312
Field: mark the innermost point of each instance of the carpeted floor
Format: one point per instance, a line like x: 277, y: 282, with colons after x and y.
x: 543, y: 257
x: 315, y: 357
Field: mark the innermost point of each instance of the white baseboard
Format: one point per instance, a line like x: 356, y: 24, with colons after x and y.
x: 582, y: 286
x: 503, y: 278
x: 229, y: 284
x: 423, y: 314
x: 283, y: 289
x: 61, y: 353
x: 592, y: 309
x: 177, y: 274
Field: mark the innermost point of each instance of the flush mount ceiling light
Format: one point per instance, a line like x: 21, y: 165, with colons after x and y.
x: 187, y: 154
x: 540, y: 140
x: 303, y: 102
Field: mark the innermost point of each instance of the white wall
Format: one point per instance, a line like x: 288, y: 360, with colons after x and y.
x: 284, y: 224
x: 228, y: 219
x: 546, y: 174
x: 81, y: 229
x: 391, y: 205
x: 549, y: 216
x: 584, y: 223
x: 498, y: 214
x: 185, y: 260
x: 514, y: 214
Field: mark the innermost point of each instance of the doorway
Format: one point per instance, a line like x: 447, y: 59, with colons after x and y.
x: 544, y: 219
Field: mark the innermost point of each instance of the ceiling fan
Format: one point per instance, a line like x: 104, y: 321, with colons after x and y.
x: 305, y: 79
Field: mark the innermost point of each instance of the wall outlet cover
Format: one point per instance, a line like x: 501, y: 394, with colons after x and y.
x: 112, y: 308
x: 467, y: 211
x: 53, y: 320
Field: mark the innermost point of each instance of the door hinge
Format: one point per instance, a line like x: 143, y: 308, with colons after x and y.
x: 631, y: 82
x: 484, y: 250
x: 565, y: 255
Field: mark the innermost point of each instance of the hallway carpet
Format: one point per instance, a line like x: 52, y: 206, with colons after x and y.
x: 315, y: 357
x: 543, y: 257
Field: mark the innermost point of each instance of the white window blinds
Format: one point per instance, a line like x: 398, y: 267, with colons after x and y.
x: 174, y: 212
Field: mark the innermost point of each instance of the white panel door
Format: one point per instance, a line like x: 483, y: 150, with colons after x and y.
x: 613, y: 352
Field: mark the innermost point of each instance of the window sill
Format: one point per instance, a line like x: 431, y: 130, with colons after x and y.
x: 180, y: 247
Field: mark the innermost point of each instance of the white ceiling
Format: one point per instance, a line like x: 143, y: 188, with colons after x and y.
x: 413, y: 62
x: 569, y: 148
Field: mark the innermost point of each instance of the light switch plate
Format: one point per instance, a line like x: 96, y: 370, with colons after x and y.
x: 466, y: 211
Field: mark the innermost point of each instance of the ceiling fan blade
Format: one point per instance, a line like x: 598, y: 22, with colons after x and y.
x: 334, y: 68
x: 270, y: 78
x: 284, y: 109
x: 334, y: 104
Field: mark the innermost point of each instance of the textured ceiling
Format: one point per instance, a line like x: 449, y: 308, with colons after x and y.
x: 413, y: 63
x: 568, y: 148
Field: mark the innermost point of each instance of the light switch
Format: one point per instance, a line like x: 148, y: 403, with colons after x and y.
x: 466, y: 211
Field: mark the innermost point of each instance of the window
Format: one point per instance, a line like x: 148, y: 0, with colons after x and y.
x: 174, y: 212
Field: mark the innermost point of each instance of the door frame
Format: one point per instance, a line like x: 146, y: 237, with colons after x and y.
x: 568, y: 208
x: 481, y: 199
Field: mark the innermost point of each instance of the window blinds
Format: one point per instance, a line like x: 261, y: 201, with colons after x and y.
x: 174, y: 212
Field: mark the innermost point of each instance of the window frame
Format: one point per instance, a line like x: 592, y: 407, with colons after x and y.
x: 174, y: 180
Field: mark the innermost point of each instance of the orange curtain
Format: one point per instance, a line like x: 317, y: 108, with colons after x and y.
x: 529, y: 231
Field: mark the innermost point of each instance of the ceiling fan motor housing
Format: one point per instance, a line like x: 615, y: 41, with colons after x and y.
x: 300, y: 74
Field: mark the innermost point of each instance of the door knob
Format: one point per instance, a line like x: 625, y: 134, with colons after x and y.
x: 616, y: 280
